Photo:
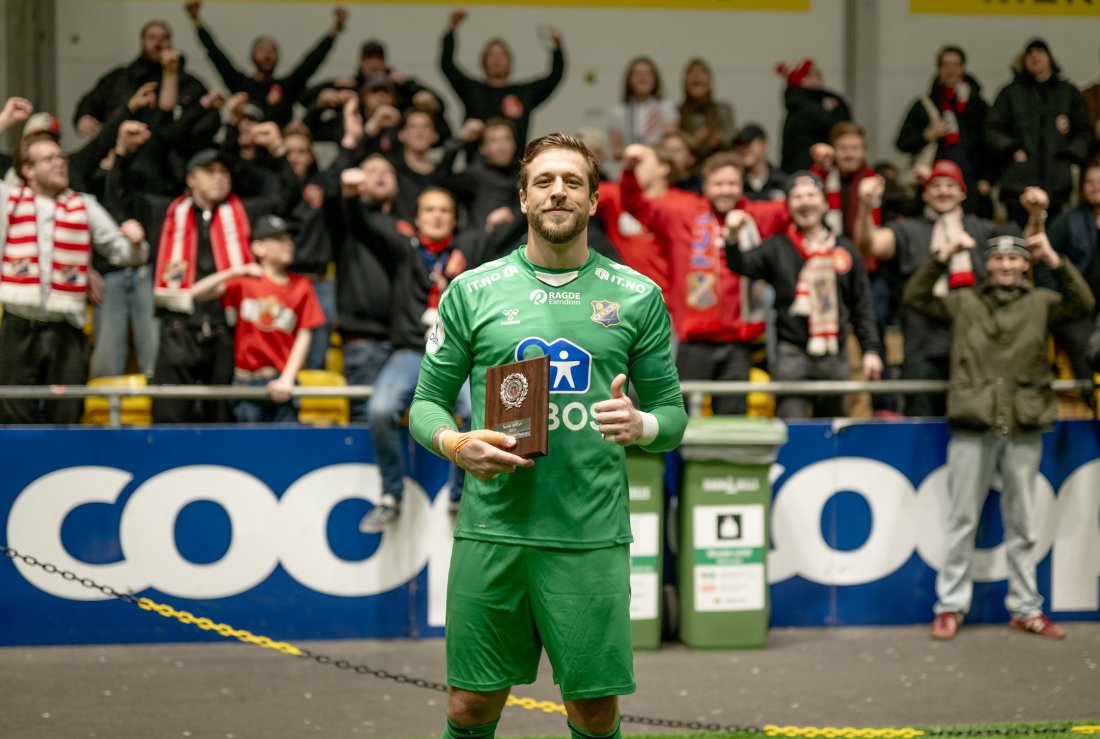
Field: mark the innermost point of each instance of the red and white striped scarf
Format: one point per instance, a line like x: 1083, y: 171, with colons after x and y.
x: 178, y: 251
x: 21, y: 272
x: 754, y: 307
x: 835, y: 218
x: 816, y: 294
x: 945, y: 230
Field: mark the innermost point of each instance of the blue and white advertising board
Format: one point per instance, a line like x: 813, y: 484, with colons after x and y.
x: 258, y: 527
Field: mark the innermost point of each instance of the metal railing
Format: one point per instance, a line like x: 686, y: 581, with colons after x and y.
x: 694, y: 389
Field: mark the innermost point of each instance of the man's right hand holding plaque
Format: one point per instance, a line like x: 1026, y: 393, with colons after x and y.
x: 517, y: 403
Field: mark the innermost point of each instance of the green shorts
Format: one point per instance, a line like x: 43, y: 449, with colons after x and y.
x: 505, y: 602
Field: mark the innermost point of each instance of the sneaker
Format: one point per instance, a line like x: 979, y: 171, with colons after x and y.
x: 1040, y: 625
x: 379, y: 518
x: 946, y: 626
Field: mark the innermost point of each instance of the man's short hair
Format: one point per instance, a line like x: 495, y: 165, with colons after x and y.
x: 442, y: 190
x: 155, y: 22
x: 560, y: 141
x: 22, y: 153
x: 500, y: 122
x: 950, y: 49
x: 495, y: 42
x: 681, y: 134
x: 721, y: 160
x: 261, y: 39
x: 844, y: 128
x: 417, y: 111
x: 667, y: 157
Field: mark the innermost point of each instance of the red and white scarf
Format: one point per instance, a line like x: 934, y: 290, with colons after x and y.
x: 960, y: 268
x: 754, y: 307
x: 815, y: 292
x: 952, y: 105
x: 834, y: 219
x: 21, y: 272
x: 179, y: 241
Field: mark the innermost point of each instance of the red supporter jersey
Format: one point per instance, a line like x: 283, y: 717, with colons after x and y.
x: 704, y: 296
x: 635, y: 243
x: 269, y: 316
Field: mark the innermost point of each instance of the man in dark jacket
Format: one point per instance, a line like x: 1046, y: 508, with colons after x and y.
x: 420, y: 262
x: 999, y: 401
x: 1037, y: 129
x: 274, y: 95
x: 201, y: 232
x: 812, y: 111
x: 820, y: 287
x: 113, y: 90
x: 949, y: 123
x: 907, y: 243
x: 497, y: 95
x: 1076, y: 236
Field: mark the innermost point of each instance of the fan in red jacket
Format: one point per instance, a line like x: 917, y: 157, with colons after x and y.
x: 715, y: 312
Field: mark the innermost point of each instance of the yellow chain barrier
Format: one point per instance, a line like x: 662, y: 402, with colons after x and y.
x: 531, y: 704
x: 1086, y: 729
x: 847, y: 732
x: 184, y: 617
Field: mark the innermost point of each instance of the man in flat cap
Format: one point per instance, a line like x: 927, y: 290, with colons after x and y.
x: 999, y: 401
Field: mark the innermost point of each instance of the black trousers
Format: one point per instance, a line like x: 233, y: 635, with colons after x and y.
x: 190, y: 357
x: 792, y: 363
x: 707, y: 360
x: 1073, y: 337
x: 920, y: 367
x: 41, y: 353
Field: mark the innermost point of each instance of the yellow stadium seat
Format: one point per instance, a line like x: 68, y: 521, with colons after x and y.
x: 334, y: 357
x: 136, y: 410
x: 323, y: 411
x: 761, y: 405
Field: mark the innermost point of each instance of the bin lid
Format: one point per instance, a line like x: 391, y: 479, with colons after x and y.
x: 741, y: 431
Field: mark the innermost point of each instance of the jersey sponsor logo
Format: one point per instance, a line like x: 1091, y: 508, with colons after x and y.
x: 630, y: 284
x: 606, y: 313
x: 480, y: 283
x: 570, y: 365
x: 510, y: 271
x: 539, y: 296
x: 511, y: 317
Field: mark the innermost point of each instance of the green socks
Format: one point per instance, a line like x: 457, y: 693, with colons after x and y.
x: 577, y: 733
x: 484, y: 731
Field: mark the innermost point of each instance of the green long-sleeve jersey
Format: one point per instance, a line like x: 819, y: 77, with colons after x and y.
x: 594, y: 323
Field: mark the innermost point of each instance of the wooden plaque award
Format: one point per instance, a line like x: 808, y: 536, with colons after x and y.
x: 517, y: 403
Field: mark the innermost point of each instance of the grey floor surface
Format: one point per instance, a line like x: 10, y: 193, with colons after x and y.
x: 808, y: 677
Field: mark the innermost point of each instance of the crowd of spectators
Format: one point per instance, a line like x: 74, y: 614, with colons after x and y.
x: 182, y: 188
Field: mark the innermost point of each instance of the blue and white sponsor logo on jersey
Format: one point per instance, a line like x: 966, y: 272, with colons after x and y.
x: 570, y: 365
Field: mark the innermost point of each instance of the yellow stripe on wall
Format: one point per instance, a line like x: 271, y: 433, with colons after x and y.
x: 1006, y: 7
x: 772, y: 5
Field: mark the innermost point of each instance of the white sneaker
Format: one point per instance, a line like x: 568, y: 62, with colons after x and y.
x: 379, y: 518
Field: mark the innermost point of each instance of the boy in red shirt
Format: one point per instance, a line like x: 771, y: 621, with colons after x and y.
x: 276, y: 314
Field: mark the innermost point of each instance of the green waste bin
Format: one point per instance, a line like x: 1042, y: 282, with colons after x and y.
x: 646, y: 473
x: 723, y: 541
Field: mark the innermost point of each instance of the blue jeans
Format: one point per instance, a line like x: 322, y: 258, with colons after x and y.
x: 393, y: 392
x: 127, y: 305
x: 363, y: 361
x: 258, y: 411
x: 325, y: 290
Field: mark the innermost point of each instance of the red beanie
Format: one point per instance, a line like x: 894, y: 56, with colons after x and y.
x: 795, y: 71
x: 947, y: 168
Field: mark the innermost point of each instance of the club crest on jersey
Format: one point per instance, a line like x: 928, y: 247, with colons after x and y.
x: 606, y: 313
x: 570, y: 365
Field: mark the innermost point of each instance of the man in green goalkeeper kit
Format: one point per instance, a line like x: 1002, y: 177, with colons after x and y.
x: 541, y: 554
